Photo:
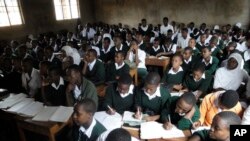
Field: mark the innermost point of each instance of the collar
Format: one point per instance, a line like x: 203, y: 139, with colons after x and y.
x: 213, y: 48
x: 88, y: 131
x: 91, y: 65
x: 120, y: 48
x: 61, y: 82
x: 105, y: 52
x: 140, y: 43
x: 155, y: 49
x: 210, y: 61
x: 144, y: 28
x: 171, y: 71
x: 52, y: 57
x: 118, y: 67
x: 157, y: 93
x: 189, y: 60
x: 130, y: 91
x: 202, y: 77
x: 128, y: 43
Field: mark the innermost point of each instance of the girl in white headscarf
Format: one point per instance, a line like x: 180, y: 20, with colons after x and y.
x: 231, y: 75
x: 73, y: 53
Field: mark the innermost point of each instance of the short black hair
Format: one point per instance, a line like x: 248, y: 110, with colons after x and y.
x: 178, y: 55
x: 230, y: 118
x: 93, y: 51
x: 153, y: 78
x: 199, y: 67
x: 165, y: 18
x: 189, y: 49
x: 229, y: 99
x: 125, y: 79
x: 107, y: 39
x: 118, y: 134
x: 206, y: 47
x: 120, y: 52
x: 75, y: 68
x: 88, y: 105
x: 214, y: 39
x: 28, y: 60
x: 55, y: 69
x: 184, y: 29
x: 189, y: 98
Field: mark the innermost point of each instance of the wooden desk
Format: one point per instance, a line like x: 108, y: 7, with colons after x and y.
x: 154, y: 61
x: 133, y: 74
x: 48, y: 129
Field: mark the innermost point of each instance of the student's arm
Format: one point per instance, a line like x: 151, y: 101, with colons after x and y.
x: 69, y: 95
x: 214, y: 66
x: 84, y: 69
x: 108, y: 98
x: 164, y: 53
x: 190, y: 117
x: 100, y: 74
x: 202, y: 89
x: 194, y: 138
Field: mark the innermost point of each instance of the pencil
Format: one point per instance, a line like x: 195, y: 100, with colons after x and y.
x: 110, y: 108
x: 169, y: 118
x: 191, y: 121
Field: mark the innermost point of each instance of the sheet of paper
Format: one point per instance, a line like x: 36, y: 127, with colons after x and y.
x: 45, y: 114
x: 62, y: 114
x: 110, y: 122
x: 128, y: 117
x: 11, y: 100
x: 15, y: 108
x: 200, y: 128
x: 176, y: 93
x: 32, y: 109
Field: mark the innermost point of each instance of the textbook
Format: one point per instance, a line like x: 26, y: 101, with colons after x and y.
x: 155, y: 130
x: 18, y: 106
x: 129, y: 120
x: 55, y: 114
x: 11, y: 100
x: 31, y: 109
x: 110, y: 122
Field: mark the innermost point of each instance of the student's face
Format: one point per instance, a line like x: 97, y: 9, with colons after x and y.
x: 219, y: 129
x: 232, y: 63
x: 150, y: 89
x: 212, y: 44
x: 106, y: 44
x: 156, y: 44
x: 169, y: 34
x: 53, y: 77
x: 26, y: 67
x: 176, y: 62
x: 90, y: 57
x: 144, y: 23
x: 165, y: 22
x: 167, y: 44
x: 117, y: 41
x: 197, y: 75
x: 139, y: 38
x: 118, y: 58
x: 128, y: 37
x: 123, y: 88
x: 80, y: 116
x: 184, y: 34
x: 203, y: 38
x: 205, y: 53
x: 191, y: 43
x: 73, y: 76
x: 187, y: 54
x: 182, y: 107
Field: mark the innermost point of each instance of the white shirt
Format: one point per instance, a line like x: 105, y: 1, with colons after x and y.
x: 130, y: 91
x: 61, y: 82
x: 164, y: 29
x: 91, y: 65
x: 243, y: 47
x: 144, y: 28
x: 157, y: 93
x: 77, y: 92
x: 183, y: 43
x: 33, y: 81
x: 141, y: 57
x: 105, y: 52
x: 119, y: 48
x: 210, y: 61
x: 246, y: 117
x: 247, y: 55
x: 88, y: 131
x: 172, y: 47
x: 96, y: 49
x: 156, y: 49
x: 202, y: 77
x: 117, y: 67
x: 90, y: 33
x: 171, y: 71
x: 189, y: 60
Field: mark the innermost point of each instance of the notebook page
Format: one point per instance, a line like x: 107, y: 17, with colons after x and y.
x: 62, y: 114
x: 110, y: 122
x: 32, y: 109
x: 15, y: 108
x: 45, y: 114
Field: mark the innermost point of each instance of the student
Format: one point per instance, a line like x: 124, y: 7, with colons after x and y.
x: 192, y: 44
x: 116, y: 69
x: 156, y: 48
x: 210, y: 62
x: 129, y: 38
x: 152, y: 97
x: 105, y: 50
x: 169, y: 48
x: 119, y: 134
x: 48, y: 54
x: 220, y: 128
x: 201, y: 42
x: 79, y: 87
x: 54, y: 93
x: 182, y: 42
x: 93, y: 69
x: 118, y: 47
x: 197, y: 82
x: 174, y: 76
x: 231, y: 76
x: 213, y: 45
x: 120, y: 96
x: 217, y: 102
x: 86, y: 128
x: 139, y: 40
x: 181, y: 111
x: 31, y: 81
x: 188, y: 60
x: 165, y: 27
x: 144, y: 28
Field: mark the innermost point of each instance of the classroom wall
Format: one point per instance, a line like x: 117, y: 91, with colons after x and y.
x: 39, y: 17
x: 209, y: 11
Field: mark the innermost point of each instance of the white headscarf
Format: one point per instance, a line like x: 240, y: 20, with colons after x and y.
x: 73, y: 53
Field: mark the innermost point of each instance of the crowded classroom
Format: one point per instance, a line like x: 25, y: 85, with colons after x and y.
x: 79, y: 70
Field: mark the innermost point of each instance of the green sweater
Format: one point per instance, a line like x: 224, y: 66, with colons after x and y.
x: 114, y: 100
x: 155, y: 105
x: 204, y: 135
x: 112, y: 72
x: 97, y: 74
x: 211, y: 68
x: 181, y: 122
x: 173, y: 79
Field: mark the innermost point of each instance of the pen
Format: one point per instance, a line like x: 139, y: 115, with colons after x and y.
x: 110, y: 108
x: 191, y: 121
x: 169, y: 118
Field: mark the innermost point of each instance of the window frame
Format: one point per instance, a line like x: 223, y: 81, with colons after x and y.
x: 70, y: 10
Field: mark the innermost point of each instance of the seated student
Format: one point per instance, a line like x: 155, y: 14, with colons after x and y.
x: 181, y: 111
x: 210, y: 62
x: 139, y: 40
x: 188, y: 60
x: 93, y: 69
x: 201, y: 42
x: 129, y: 38
x: 31, y: 80
x: 174, y: 76
x: 182, y: 41
x: 197, y: 82
x: 120, y: 96
x: 105, y: 50
x: 169, y: 48
x: 217, y: 102
x: 231, y: 76
x: 213, y: 45
x: 220, y: 128
x: 118, y: 47
x: 144, y: 28
x: 43, y: 71
x: 79, y: 87
x: 116, y: 69
x: 228, y: 50
x: 192, y: 44
x: 54, y: 93
x: 119, y: 135
x: 48, y: 54
x: 151, y: 98
x: 86, y: 128
x: 156, y: 48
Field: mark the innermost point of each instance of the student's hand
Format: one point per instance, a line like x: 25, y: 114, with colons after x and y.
x: 117, y: 77
x: 183, y: 91
x: 194, y: 138
x: 70, y: 88
x: 196, y: 124
x: 158, y: 55
x: 178, y: 87
x: 111, y: 111
x: 168, y: 125
x: 138, y: 114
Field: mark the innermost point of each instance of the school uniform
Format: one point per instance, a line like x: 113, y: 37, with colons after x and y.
x: 183, y: 43
x: 142, y: 46
x: 113, y: 70
x: 196, y: 51
x: 120, y: 102
x: 144, y: 30
x: 95, y: 72
x: 212, y: 65
x: 172, y: 48
x: 204, y: 135
x: 152, y: 104
x: 55, y: 61
x: 215, y: 51
x: 199, y: 45
x: 172, y: 78
x: 122, y: 48
x: 105, y: 55
x: 90, y: 134
x: 180, y: 122
x: 154, y: 51
x: 187, y: 65
x: 164, y: 29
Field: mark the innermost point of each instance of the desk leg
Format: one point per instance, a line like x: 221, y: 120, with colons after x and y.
x: 136, y: 78
x: 51, y: 137
x: 21, y: 133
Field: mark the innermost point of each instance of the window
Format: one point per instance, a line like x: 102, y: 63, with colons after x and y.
x: 66, y: 9
x: 10, y: 13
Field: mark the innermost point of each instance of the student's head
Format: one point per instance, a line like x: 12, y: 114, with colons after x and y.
x: 156, y: 42
x: 206, y: 52
x: 169, y: 33
x: 213, y: 41
x: 203, y: 26
x: 22, y: 50
x: 191, y: 25
x: 144, y: 22
x: 224, y: 36
x: 106, y: 42
x: 165, y: 21
x: 91, y: 55
x: 67, y: 61
x: 44, y: 67
x: 152, y: 81
x: 139, y: 37
x: 220, y: 128
x: 48, y: 51
x: 176, y: 61
x: 54, y: 74
x: 192, y: 43
x: 188, y: 51
x: 118, y: 41
x: 118, y: 134
x: 198, y: 71
x: 119, y: 57
x: 124, y: 82
x: 27, y: 65
x: 234, y: 61
x: 185, y: 103
x: 203, y: 38
x: 129, y: 36
x: 184, y: 32
x: 228, y: 99
x: 231, y: 46
x: 84, y: 111
x: 167, y: 42
x: 73, y: 73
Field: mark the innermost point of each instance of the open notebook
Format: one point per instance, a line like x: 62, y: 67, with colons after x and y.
x: 129, y: 120
x: 55, y: 114
x: 11, y: 100
x: 110, y: 122
x: 155, y: 130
